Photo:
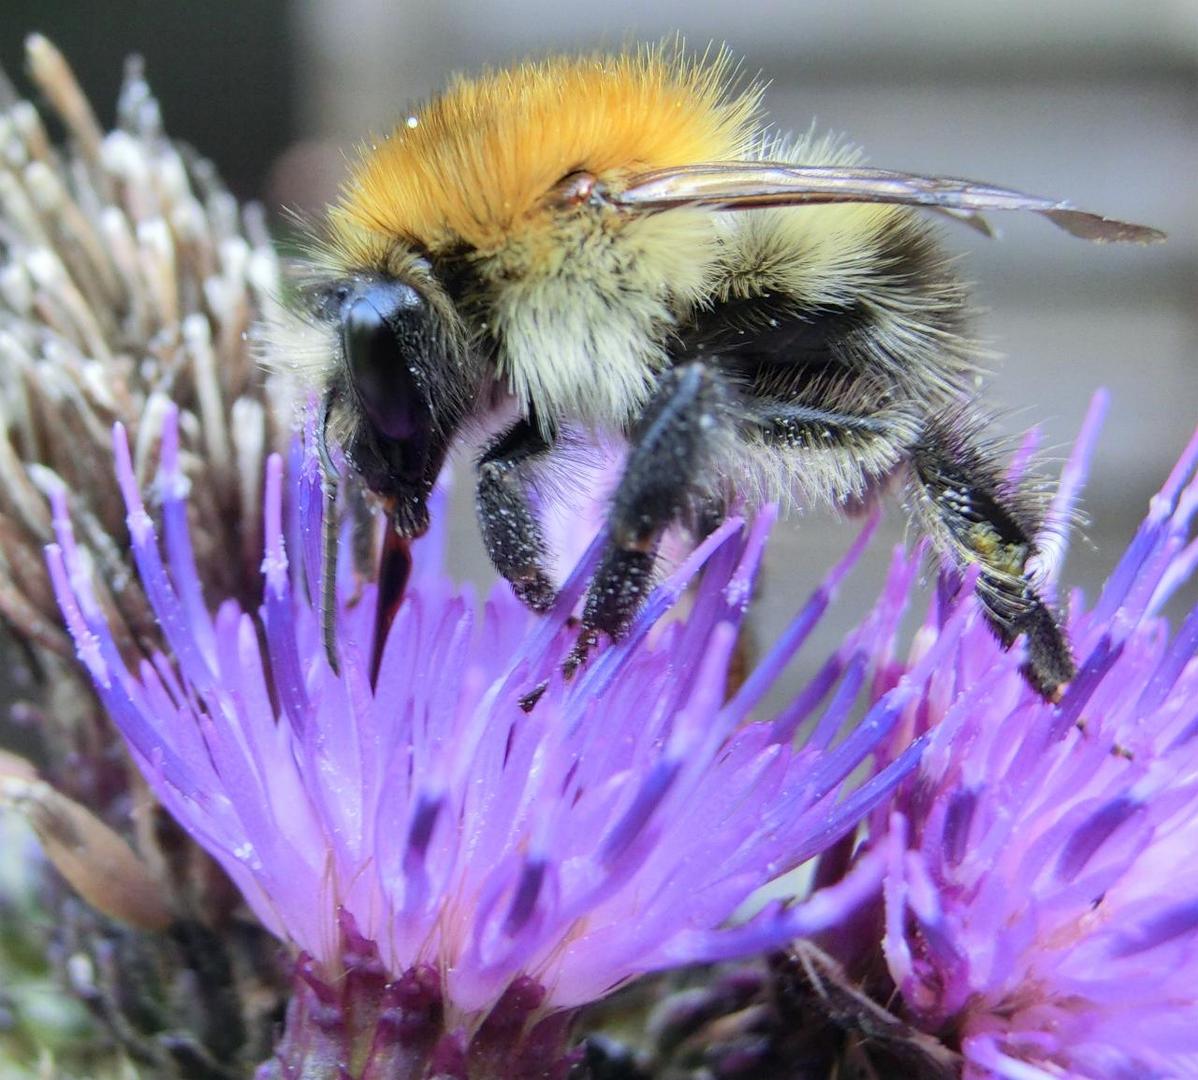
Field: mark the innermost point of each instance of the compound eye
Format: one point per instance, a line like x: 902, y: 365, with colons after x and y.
x: 375, y: 324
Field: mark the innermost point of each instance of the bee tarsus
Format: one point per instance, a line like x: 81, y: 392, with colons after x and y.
x: 974, y: 516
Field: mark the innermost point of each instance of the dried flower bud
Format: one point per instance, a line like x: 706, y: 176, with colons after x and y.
x: 99, y: 865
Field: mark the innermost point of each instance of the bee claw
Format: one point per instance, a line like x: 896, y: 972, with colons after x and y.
x: 1059, y: 693
x: 587, y: 640
x: 574, y: 660
x: 529, y: 701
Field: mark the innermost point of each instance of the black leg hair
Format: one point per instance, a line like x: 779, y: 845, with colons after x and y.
x: 675, y: 445
x: 972, y: 517
x: 511, y: 532
x: 667, y: 479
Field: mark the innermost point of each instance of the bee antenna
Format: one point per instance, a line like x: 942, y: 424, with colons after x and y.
x: 328, y: 537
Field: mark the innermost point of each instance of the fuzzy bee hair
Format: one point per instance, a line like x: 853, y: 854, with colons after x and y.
x: 472, y: 167
x: 554, y: 240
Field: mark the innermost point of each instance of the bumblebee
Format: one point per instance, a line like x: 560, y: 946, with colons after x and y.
x: 618, y: 244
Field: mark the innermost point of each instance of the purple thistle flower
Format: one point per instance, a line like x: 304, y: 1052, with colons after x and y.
x: 469, y: 865
x: 1041, y: 894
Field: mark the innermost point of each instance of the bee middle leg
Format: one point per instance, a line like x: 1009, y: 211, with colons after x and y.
x: 511, y: 531
x: 667, y: 479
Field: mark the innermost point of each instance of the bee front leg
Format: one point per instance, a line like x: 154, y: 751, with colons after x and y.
x: 667, y: 479
x: 511, y: 532
x: 973, y: 517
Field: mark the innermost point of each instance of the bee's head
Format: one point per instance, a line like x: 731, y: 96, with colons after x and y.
x: 400, y: 383
x: 498, y: 180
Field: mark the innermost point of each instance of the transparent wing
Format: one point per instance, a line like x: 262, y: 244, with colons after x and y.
x: 744, y: 185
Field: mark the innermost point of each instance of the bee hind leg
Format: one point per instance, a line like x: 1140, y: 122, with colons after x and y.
x: 840, y: 450
x: 511, y: 532
x: 974, y: 517
x: 675, y: 444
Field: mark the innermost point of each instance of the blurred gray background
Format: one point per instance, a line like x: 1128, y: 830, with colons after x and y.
x: 1090, y: 99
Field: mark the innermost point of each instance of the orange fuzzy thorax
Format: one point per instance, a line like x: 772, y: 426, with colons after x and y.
x: 476, y: 165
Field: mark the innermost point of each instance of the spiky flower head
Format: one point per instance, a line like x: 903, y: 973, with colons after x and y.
x: 497, y: 844
x: 1041, y: 894
x: 130, y: 281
